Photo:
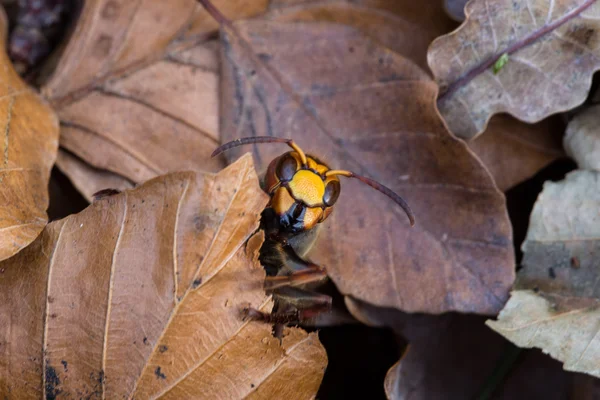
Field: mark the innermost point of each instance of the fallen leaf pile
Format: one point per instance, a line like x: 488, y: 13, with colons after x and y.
x: 139, y: 294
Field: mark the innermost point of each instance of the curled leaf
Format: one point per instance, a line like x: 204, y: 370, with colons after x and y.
x: 553, y: 50
x: 28, y: 145
x: 87, y: 179
x: 556, y: 301
x: 138, y: 296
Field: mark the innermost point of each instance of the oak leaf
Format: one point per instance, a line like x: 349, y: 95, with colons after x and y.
x: 138, y: 296
x: 551, y: 49
x: 366, y: 108
x: 556, y: 299
x: 28, y: 145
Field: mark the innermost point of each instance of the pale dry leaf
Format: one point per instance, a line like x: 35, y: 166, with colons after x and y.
x: 28, y: 146
x: 87, y: 179
x: 363, y: 107
x: 139, y: 296
x: 553, y: 48
x: 556, y: 301
x: 582, y: 139
x: 135, y: 87
x: 514, y: 151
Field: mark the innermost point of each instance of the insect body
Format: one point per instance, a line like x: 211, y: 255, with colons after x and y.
x: 303, y: 191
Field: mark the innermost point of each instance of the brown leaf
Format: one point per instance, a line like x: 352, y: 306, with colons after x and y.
x: 139, y: 296
x: 556, y: 301
x: 582, y: 139
x: 387, y: 21
x: 514, y: 151
x: 552, y: 54
x: 87, y: 179
x: 365, y: 108
x: 134, y: 90
x: 28, y: 146
x: 453, y: 356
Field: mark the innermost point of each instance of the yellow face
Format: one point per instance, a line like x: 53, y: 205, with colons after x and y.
x: 301, y: 196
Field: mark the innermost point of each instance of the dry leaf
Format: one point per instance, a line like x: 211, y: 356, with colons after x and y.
x: 139, y: 296
x: 452, y: 356
x: 582, y: 139
x: 87, y: 179
x: 514, y: 151
x: 365, y: 108
x: 28, y: 146
x: 556, y: 299
x: 552, y: 51
x: 387, y: 21
x: 134, y: 90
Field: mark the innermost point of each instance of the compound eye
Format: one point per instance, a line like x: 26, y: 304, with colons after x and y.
x: 286, y: 168
x: 332, y: 192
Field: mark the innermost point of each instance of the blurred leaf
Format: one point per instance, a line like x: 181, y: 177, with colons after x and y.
x: 556, y: 301
x: 134, y: 89
x: 514, y: 151
x: 28, y: 146
x: 373, y: 111
x: 553, y: 53
x: 582, y: 139
x: 139, y: 296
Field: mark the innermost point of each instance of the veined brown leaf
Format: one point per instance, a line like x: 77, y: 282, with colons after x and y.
x: 404, y: 26
x: 552, y: 48
x: 28, y: 145
x: 556, y: 299
x: 138, y: 296
x: 134, y: 87
x: 363, y: 107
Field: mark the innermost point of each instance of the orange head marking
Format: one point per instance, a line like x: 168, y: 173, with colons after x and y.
x: 303, y: 190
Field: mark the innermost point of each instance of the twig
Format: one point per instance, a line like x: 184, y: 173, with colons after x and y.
x: 214, y: 12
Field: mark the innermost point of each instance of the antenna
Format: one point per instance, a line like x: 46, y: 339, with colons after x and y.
x: 374, y: 184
